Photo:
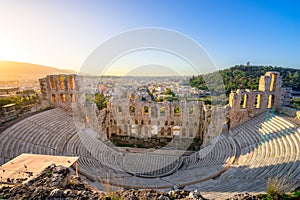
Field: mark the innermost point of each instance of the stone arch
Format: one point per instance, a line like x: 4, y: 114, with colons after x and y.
x: 273, y: 82
x: 132, y: 109
x: 146, y: 110
x: 72, y: 97
x: 271, y: 101
x: 169, y: 131
x: 243, y: 102
x: 257, y: 101
x: 61, y: 82
x: 53, y: 97
x: 176, y: 110
x: 71, y: 83
x: 63, y: 98
x: 162, y: 131
x: 52, y: 83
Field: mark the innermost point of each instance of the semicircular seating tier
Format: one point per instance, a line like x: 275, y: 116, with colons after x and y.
x: 241, y: 161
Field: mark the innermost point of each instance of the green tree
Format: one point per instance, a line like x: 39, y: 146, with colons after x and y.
x: 100, y: 101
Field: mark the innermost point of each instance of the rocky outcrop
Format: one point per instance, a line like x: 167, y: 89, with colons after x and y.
x: 55, y: 182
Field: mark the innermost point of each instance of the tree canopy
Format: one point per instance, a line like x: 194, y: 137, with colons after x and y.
x: 247, y: 77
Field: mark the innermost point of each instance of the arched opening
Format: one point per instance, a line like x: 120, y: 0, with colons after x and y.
x: 52, y: 83
x: 53, y: 97
x: 257, y: 101
x: 63, y: 98
x: 61, y: 82
x: 243, y: 102
x: 176, y: 111
x: 273, y: 82
x: 162, y: 131
x: 131, y: 109
x: 271, y: 101
x: 72, y: 97
x: 169, y: 131
x: 146, y: 110
x: 107, y: 132
x: 71, y: 83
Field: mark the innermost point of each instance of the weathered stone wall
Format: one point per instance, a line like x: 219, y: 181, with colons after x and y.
x: 59, y: 90
x: 146, y: 119
x: 131, y: 117
x: 245, y: 104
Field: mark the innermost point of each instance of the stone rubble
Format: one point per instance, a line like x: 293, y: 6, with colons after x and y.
x: 58, y: 182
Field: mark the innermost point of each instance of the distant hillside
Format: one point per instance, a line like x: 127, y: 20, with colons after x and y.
x: 18, y: 70
x: 247, y: 77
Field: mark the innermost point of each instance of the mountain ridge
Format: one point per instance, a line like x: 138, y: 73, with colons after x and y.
x: 11, y: 70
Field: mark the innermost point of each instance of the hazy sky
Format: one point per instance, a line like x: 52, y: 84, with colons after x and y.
x: 62, y: 33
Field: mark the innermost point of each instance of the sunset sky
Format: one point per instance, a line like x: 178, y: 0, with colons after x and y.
x: 62, y: 33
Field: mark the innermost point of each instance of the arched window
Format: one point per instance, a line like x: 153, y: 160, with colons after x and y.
x: 71, y: 83
x: 53, y: 97
x: 176, y: 110
x: 132, y: 109
x: 146, y: 110
x: 52, y: 83
x: 257, y: 101
x: 61, y: 82
x: 162, y: 131
x: 63, y: 98
x: 273, y: 82
x: 243, y: 102
x: 169, y: 131
x: 271, y: 101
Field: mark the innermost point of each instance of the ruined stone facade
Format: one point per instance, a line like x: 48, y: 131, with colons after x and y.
x: 154, y: 120
x: 59, y: 90
x: 245, y: 104
x: 131, y: 117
